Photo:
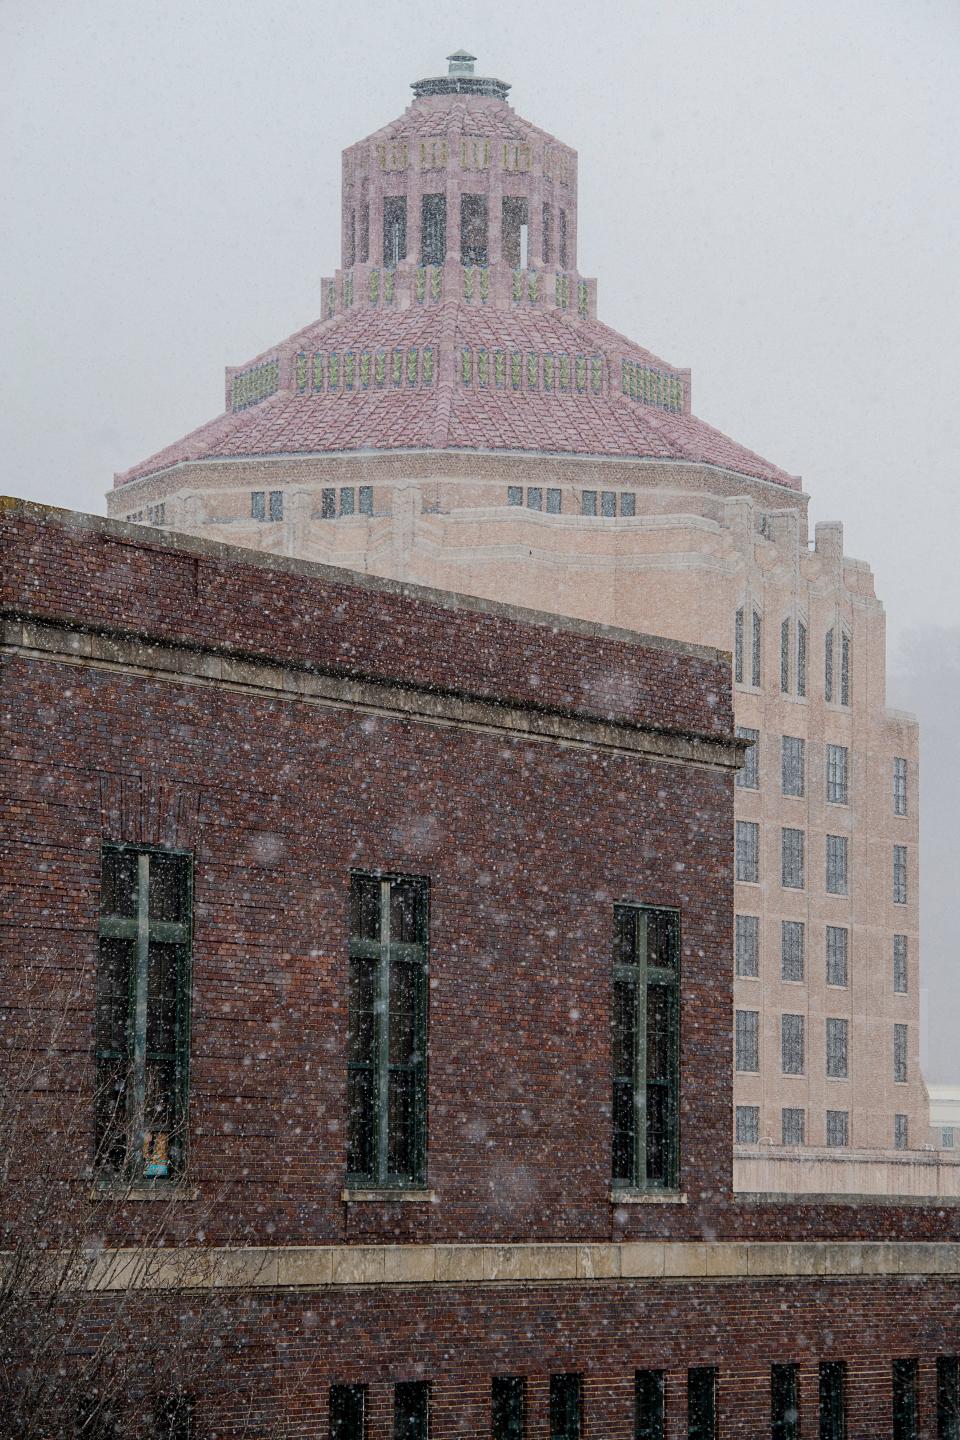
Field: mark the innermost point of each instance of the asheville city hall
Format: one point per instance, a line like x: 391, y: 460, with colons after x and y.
x: 486, y: 792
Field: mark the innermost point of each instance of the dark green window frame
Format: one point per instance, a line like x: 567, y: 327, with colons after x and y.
x: 508, y: 1407
x: 142, y: 1022
x: 646, y: 1045
x: 348, y: 1412
x: 411, y: 1410
x: 648, y: 1414
x: 566, y: 1406
x: 905, y: 1380
x: 833, y: 1400
x: 387, y: 1030
x: 948, y: 1397
x: 785, y: 1402
x: 702, y: 1403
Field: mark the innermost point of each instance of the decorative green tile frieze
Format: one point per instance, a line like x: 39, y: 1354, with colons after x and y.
x: 484, y: 285
x: 333, y: 373
x: 301, y: 372
x: 349, y: 368
x: 564, y: 372
x: 319, y: 370
x: 331, y: 299
x: 468, y: 283
x: 533, y: 287
x: 380, y: 367
x: 374, y: 286
x: 580, y: 370
x: 436, y: 282
x: 365, y: 369
x: 348, y: 289
x: 256, y: 384
x: 412, y: 357
x: 389, y: 286
x: 583, y: 298
x: 428, y: 364
x: 563, y: 291
x: 420, y: 285
x: 596, y: 373
x: 516, y: 368
x: 499, y: 369
x: 397, y: 367
x: 548, y: 372
x: 650, y: 386
x: 533, y: 370
x: 466, y: 365
x: 518, y: 285
x: 483, y: 373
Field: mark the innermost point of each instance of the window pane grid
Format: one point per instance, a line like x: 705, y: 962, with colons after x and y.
x: 747, y: 946
x: 837, y: 785
x: 747, y: 1040
x: 837, y: 880
x: 792, y: 1044
x: 837, y: 1043
x: 792, y: 866
x: 837, y: 955
x: 748, y: 776
x: 748, y: 851
x: 646, y: 964
x: 792, y: 765
x: 791, y: 950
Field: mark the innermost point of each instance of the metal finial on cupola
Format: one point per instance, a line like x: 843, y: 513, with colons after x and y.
x: 461, y: 80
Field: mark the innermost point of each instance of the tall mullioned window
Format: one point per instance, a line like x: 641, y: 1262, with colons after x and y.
x: 801, y: 659
x: 508, y: 1396
x: 833, y: 1398
x: 837, y: 782
x: 649, y: 1405
x: 702, y: 1403
x: 837, y: 877
x: 747, y: 1124
x: 899, y: 785
x: 900, y: 972
x: 748, y: 851
x: 901, y: 1132
x: 566, y: 1406
x: 756, y: 672
x: 785, y: 656
x: 791, y: 858
x: 748, y: 946
x: 785, y: 1402
x: 837, y: 1048
x: 828, y: 666
x: 948, y: 1397
x: 900, y: 1054
x: 792, y: 1044
x: 143, y: 1013
x: 838, y: 939
x: 748, y: 776
x: 793, y: 1125
x: 792, y: 765
x: 838, y: 1128
x: 905, y: 1399
x: 845, y: 664
x: 348, y: 1412
x: 646, y: 1030
x: 899, y: 874
x: 791, y: 949
x: 738, y: 647
x: 411, y: 1410
x: 747, y: 1040
x: 387, y: 1030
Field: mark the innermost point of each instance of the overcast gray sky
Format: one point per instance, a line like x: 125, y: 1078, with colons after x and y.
x: 768, y: 193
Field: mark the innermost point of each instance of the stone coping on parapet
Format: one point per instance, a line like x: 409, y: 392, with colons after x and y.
x: 331, y: 1266
x: 207, y: 668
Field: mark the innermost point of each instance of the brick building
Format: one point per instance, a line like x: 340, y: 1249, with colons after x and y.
x: 399, y: 923
x: 459, y: 417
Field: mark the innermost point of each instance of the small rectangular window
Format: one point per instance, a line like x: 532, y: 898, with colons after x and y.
x: 588, y: 502
x: 394, y: 230
x: 534, y: 497
x: 554, y: 502
x: 948, y: 1397
x: 566, y: 1400
x: 748, y: 851
x: 649, y: 1405
x: 785, y: 1402
x: 901, y: 1132
x: 608, y: 503
x: 508, y: 1407
x: 791, y: 858
x: 837, y: 1046
x: 411, y: 1410
x: 513, y: 229
x: 738, y: 648
x: 748, y: 1124
x: 702, y: 1403
x: 899, y: 874
x: 365, y: 496
x: 757, y: 666
x: 276, y: 504
x: 628, y: 504
x: 837, y: 879
x: 900, y: 1054
x: 347, y: 501
x: 473, y: 229
x: 747, y: 1038
x: 363, y: 234
x: 258, y: 505
x: 838, y: 1129
x: 899, y: 786
x: 748, y: 946
x: 547, y: 240
x: 905, y: 1399
x: 837, y: 784
x: 900, y: 964
x: 845, y: 662
x: 833, y: 1399
x: 791, y: 949
x: 791, y: 1044
x: 801, y: 659
x: 328, y: 504
x: 828, y: 667
x: 433, y: 229
x: 947, y: 1137
x: 838, y: 938
x: 646, y: 976
x: 785, y: 657
x: 348, y: 1412
x: 562, y: 234
x: 514, y: 494
x: 792, y: 765
x: 748, y: 776
x: 793, y: 1125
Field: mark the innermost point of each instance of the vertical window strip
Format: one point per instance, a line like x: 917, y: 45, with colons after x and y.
x: 900, y: 973
x: 837, y: 880
x: 508, y: 1407
x: 899, y: 874
x: 649, y: 1416
x: 899, y: 785
x: 793, y: 1125
x: 757, y: 667
x: 801, y: 659
x: 702, y: 1403
x: 785, y: 657
x: 837, y: 1048
x: 792, y: 858
x: 566, y: 1406
x: 833, y: 1400
x: 738, y: 647
x: 838, y: 938
x: 747, y: 1041
x: 837, y: 766
x: 900, y: 1054
x: 748, y: 851
x: 785, y: 1402
x: 792, y: 1057
x: 905, y: 1380
x: 747, y: 946
x: 838, y: 1129
x: 901, y: 1137
x: 748, y: 776
x: 948, y: 1397
x: 845, y: 665
x: 792, y: 765
x: 791, y: 950
x: 747, y: 1124
x: 828, y: 667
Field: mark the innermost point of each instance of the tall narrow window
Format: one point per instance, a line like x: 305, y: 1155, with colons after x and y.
x: 837, y: 783
x: 757, y: 666
x: 833, y: 1399
x: 554, y: 501
x: 258, y: 505
x: 828, y: 667
x: 562, y: 239
x: 785, y: 656
x: 791, y: 1044
x: 899, y: 785
x: 646, y: 1022
x: 347, y: 500
x: 350, y: 245
x: 904, y: 1399
x: 649, y: 1405
x: 547, y: 234
x: 791, y: 950
x: 433, y: 229
x: 566, y: 1404
x: 365, y: 497
x: 900, y: 971
x: 747, y: 1041
x: 748, y: 945
x: 588, y: 502
x: 348, y: 1412
x: 838, y: 1129
x: 900, y: 1054
x: 514, y: 231
x: 473, y: 230
x: 785, y: 1402
x: 837, y: 1047
x: 328, y: 504
x: 514, y: 494
x: 534, y: 497
x: 748, y: 777
x: 845, y: 659
x: 702, y: 1403
x: 387, y: 1030
x: 608, y: 503
x: 508, y: 1406
x: 948, y: 1397
x: 748, y: 851
x: 792, y: 765
x: 628, y: 504
x: 738, y: 647
x: 394, y: 229
x: 363, y: 233
x: 793, y: 1125
x: 747, y: 1124
x: 276, y: 504
x: 899, y: 874
x: 801, y: 658
x: 901, y: 1134
x: 143, y: 1013
x: 411, y: 1410
x: 838, y: 940
x: 837, y: 879
x: 791, y: 852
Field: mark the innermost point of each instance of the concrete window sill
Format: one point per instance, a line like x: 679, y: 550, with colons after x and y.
x: 398, y: 1196
x: 648, y: 1197
x: 121, y: 1193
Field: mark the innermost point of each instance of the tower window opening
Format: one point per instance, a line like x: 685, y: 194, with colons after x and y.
x: 363, y: 233
x: 350, y: 242
x: 394, y: 229
x: 547, y: 243
x: 473, y: 230
x: 433, y: 229
x: 515, y: 231
x: 562, y: 238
